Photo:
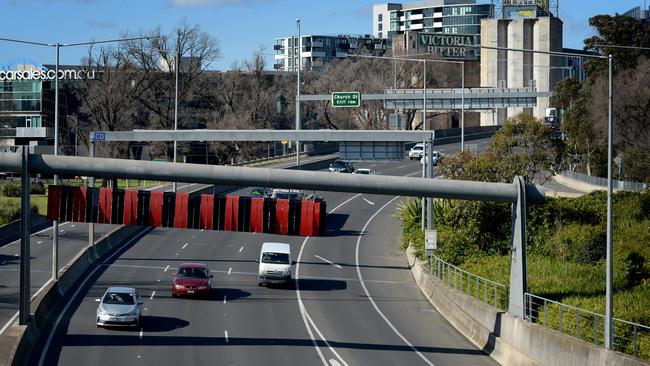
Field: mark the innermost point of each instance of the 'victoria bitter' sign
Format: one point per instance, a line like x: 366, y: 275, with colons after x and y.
x: 448, y: 45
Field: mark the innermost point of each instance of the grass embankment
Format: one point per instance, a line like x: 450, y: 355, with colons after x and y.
x: 566, y: 257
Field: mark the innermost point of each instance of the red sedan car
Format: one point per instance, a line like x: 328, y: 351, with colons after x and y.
x: 192, y: 279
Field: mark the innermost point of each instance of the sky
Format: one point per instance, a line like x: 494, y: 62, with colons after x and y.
x: 241, y: 26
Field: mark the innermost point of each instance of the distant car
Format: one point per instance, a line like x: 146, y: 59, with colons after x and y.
x: 437, y: 157
x: 365, y: 171
x: 4, y: 175
x: 416, y: 151
x: 192, y: 279
x: 340, y: 166
x: 119, y: 306
x: 290, y: 194
x: 260, y: 192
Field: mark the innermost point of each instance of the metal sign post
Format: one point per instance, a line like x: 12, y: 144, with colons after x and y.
x: 24, y: 239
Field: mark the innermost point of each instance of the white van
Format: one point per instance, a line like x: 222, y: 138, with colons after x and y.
x: 275, y: 264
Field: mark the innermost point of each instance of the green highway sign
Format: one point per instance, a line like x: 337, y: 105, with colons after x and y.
x: 346, y: 99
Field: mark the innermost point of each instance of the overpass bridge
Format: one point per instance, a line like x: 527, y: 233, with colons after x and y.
x: 450, y: 98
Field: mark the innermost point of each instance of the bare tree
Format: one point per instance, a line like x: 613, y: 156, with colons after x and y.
x: 156, y: 58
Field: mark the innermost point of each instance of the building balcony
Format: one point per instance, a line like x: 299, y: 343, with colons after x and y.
x: 280, y: 57
x: 34, y: 132
x: 313, y: 54
x: 278, y: 47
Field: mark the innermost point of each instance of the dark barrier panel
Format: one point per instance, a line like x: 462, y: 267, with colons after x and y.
x: 232, y: 213
x: 269, y: 219
x: 155, y: 209
x: 244, y: 214
x: 79, y: 204
x: 168, y: 209
x: 105, y: 202
x: 294, y: 217
x: 194, y: 212
x: 207, y: 211
x: 282, y: 216
x: 257, y: 214
x: 180, y: 210
x: 92, y: 205
x: 323, y: 216
x: 219, y: 213
x: 307, y: 218
x: 65, y: 208
x: 142, y: 214
x: 130, y: 207
x: 117, y: 209
x: 53, y: 202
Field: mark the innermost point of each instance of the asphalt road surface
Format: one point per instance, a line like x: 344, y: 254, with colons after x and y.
x: 353, y: 301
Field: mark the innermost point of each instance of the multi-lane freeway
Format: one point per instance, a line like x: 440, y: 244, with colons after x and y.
x: 353, y: 301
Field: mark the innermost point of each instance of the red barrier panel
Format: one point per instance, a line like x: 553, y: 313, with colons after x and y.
x: 130, y: 206
x: 282, y: 216
x: 257, y: 214
x: 79, y: 204
x: 105, y: 205
x: 307, y: 218
x: 53, y: 202
x: 155, y: 209
x: 317, y: 219
x: 180, y: 208
x: 232, y: 213
x: 207, y: 207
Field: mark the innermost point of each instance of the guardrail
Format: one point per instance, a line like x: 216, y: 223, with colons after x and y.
x: 598, y: 181
x: 587, y: 325
x: 482, y: 289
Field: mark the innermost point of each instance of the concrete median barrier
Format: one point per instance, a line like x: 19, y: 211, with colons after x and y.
x: 19, y: 343
x: 507, y: 339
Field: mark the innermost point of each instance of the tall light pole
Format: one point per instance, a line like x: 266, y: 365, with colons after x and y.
x: 298, y: 91
x: 24, y: 293
x: 176, y: 65
x: 462, y: 107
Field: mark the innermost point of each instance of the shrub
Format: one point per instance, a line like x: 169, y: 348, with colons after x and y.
x: 591, y: 250
x: 11, y: 190
x: 10, y: 210
x: 37, y: 188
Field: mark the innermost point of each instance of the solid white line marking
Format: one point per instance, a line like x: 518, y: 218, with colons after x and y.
x: 140, y: 333
x: 369, y: 201
x: 325, y: 260
x: 152, y: 295
x: 185, y: 246
x: 166, y: 268
x: 309, y: 323
x: 229, y: 270
x: 240, y: 249
x: 225, y: 333
x: 369, y: 297
x: 334, y: 362
x: 224, y: 299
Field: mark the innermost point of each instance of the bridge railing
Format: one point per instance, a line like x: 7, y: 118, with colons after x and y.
x: 602, y: 182
x: 482, y: 289
x: 630, y: 338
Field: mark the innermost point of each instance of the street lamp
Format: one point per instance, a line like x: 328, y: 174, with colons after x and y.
x: 24, y: 296
x: 609, y: 326
x: 298, y: 91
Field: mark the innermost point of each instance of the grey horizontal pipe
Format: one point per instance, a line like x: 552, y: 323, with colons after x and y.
x: 274, y: 178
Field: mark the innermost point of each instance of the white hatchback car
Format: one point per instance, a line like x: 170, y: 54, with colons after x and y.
x: 119, y: 306
x: 364, y: 171
x: 416, y: 151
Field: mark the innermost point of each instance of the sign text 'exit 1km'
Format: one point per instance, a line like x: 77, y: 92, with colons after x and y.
x: 346, y: 99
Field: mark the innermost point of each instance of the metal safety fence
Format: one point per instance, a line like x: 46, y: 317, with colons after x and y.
x: 630, y: 338
x: 602, y: 182
x: 482, y: 289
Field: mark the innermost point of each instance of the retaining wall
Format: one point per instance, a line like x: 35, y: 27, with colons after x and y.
x: 507, y: 339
